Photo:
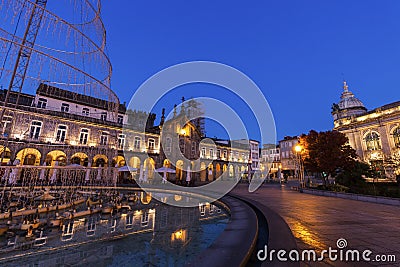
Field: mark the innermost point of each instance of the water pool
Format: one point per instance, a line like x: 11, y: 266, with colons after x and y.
x: 140, y: 232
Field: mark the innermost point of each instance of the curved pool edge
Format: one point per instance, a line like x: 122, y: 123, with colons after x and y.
x: 235, y: 245
x: 280, y: 234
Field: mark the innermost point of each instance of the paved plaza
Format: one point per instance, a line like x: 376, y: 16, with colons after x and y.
x: 318, y: 222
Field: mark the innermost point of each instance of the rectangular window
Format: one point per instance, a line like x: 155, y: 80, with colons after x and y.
x: 83, y: 136
x: 168, y: 144
x: 64, y: 107
x: 36, y: 127
x: 193, y: 148
x: 225, y: 154
x: 42, y: 103
x: 136, y: 144
x: 85, y: 112
x: 121, y: 141
x: 211, y: 153
x: 61, y: 133
x: 104, y: 138
x: 152, y: 143
x: 120, y: 119
x: 218, y: 153
x: 103, y: 116
x: 7, y: 122
x: 203, y: 152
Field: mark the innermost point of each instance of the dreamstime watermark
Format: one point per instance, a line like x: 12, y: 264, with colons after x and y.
x: 340, y: 253
x: 178, y: 141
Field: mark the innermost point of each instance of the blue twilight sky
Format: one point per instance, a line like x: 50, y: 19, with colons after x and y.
x: 297, y: 52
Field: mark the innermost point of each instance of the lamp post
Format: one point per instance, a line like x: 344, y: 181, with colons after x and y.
x: 300, y: 169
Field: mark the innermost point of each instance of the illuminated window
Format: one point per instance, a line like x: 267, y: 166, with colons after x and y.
x: 373, y: 141
x: 36, y: 127
x: 211, y: 153
x: 152, y: 143
x: 61, y: 133
x: 396, y: 137
x: 137, y: 141
x: 104, y: 138
x: 121, y: 141
x: 83, y: 136
x: 7, y: 121
x: 225, y: 154
x: 203, y: 152
x: 218, y: 153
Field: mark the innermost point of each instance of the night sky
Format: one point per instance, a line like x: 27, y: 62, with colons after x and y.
x: 297, y: 52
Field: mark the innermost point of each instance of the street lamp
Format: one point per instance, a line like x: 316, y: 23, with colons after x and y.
x: 300, y: 169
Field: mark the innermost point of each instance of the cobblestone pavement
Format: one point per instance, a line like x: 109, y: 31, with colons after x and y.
x: 317, y: 222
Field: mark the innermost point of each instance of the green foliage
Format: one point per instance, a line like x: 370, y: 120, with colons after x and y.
x: 354, y: 176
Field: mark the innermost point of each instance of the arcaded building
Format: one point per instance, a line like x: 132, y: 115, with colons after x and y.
x: 374, y: 134
x: 56, y: 127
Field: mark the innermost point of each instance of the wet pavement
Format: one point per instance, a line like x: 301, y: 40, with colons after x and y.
x: 317, y: 222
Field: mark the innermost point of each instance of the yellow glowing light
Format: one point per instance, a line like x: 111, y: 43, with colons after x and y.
x: 298, y: 148
x: 179, y: 235
x: 183, y: 132
x: 177, y: 197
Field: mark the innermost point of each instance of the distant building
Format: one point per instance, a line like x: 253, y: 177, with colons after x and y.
x: 270, y: 157
x: 287, y: 154
x: 374, y: 134
x: 59, y: 127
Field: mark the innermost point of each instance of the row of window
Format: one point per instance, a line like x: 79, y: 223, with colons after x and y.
x: 212, y: 154
x: 42, y: 103
x: 61, y: 133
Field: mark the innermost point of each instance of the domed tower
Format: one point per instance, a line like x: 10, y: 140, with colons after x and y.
x: 348, y: 106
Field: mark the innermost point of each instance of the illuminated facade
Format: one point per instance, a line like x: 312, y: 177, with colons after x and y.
x: 374, y: 134
x: 270, y: 157
x: 287, y: 154
x: 57, y: 127
x: 54, y: 128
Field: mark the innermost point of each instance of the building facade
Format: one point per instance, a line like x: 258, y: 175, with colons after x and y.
x: 288, y: 154
x: 271, y: 160
x: 374, y: 134
x: 56, y: 127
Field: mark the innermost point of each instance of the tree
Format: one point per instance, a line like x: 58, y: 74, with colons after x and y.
x: 353, y: 177
x: 326, y: 153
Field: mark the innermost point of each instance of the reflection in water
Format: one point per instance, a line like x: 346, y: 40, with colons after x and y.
x: 136, y: 233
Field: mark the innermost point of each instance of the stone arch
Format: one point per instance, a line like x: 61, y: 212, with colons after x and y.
x: 167, y: 163
x: 80, y: 158
x: 149, y: 167
x: 203, y: 171
x: 372, y: 140
x: 217, y: 170
x: 100, y: 160
x: 29, y: 156
x: 231, y: 171
x: 395, y: 133
x: 56, y: 156
x: 5, y: 155
x: 179, y: 169
x: 210, y: 172
x: 118, y: 161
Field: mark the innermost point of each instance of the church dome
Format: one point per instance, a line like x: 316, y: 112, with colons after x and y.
x: 348, y: 100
